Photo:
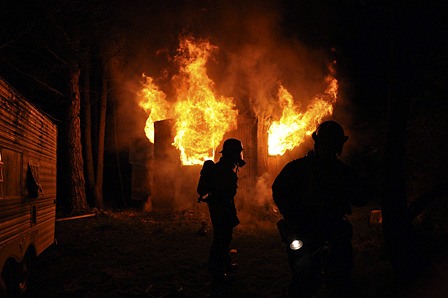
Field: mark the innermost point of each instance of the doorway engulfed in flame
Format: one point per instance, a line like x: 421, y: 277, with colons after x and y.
x: 202, y: 118
x: 292, y: 128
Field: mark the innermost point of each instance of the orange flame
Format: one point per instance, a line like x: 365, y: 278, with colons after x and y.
x: 201, y: 117
x: 154, y: 102
x: 293, y: 127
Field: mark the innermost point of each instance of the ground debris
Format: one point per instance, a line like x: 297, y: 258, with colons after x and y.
x: 129, y: 253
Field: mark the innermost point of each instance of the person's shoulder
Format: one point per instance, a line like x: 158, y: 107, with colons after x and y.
x: 297, y: 165
x: 302, y: 161
x: 208, y: 163
x: 223, y: 166
x: 297, y: 162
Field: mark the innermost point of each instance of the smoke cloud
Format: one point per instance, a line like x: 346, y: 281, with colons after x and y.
x: 255, y: 56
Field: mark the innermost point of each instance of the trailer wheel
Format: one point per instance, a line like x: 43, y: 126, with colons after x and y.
x: 9, y: 276
x: 16, y: 277
x: 23, y: 273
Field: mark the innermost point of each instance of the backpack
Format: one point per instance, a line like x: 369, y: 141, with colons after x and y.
x: 205, y: 184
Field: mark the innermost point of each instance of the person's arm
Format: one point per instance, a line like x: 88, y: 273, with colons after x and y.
x: 282, y: 190
x: 359, y: 191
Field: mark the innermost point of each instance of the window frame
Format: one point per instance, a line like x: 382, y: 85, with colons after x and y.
x: 18, y: 191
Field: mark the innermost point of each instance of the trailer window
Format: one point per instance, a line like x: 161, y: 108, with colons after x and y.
x: 32, y: 180
x: 10, y: 169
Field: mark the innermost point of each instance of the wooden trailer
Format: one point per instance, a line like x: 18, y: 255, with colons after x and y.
x: 28, y: 141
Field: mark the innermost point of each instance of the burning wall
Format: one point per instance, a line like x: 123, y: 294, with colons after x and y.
x: 201, y: 116
x: 191, y: 125
x: 174, y: 184
x: 234, y: 73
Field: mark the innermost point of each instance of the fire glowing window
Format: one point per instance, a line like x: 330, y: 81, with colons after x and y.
x: 10, y: 170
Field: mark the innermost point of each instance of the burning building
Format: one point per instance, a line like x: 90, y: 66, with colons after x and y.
x: 189, y: 126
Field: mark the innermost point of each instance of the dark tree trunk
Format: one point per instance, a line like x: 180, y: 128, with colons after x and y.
x: 399, y: 234
x: 400, y: 238
x: 87, y: 130
x: 76, y: 166
x: 99, y: 201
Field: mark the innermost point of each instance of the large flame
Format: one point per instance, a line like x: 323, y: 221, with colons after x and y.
x: 201, y: 117
x: 294, y: 126
x: 154, y: 103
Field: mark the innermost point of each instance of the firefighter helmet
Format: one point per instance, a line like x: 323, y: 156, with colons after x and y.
x: 330, y: 134
x: 232, y: 145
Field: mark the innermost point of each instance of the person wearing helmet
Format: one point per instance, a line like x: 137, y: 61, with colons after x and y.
x: 314, y: 194
x: 220, y: 190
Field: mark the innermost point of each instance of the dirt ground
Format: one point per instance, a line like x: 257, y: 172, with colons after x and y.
x: 132, y: 253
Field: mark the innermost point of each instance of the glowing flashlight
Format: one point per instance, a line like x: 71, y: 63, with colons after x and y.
x: 296, y: 244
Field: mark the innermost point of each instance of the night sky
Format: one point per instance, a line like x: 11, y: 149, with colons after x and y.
x: 387, y: 53
x: 378, y: 45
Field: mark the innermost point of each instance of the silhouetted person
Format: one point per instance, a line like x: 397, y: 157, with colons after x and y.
x: 314, y: 194
x: 217, y: 186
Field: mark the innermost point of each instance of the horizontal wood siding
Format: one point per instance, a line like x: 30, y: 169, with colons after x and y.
x: 26, y: 130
